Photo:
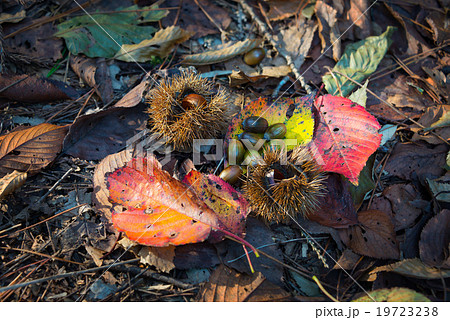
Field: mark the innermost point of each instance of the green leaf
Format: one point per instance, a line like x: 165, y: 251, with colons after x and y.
x: 365, y: 183
x: 394, y: 295
x: 101, y: 35
x: 359, y: 60
x: 360, y: 95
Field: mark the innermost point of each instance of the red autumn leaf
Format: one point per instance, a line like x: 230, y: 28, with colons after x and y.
x: 231, y: 207
x: 158, y: 209
x: 345, y: 136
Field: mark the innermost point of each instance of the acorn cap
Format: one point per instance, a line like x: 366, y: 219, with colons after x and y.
x: 284, y: 186
x: 180, y: 126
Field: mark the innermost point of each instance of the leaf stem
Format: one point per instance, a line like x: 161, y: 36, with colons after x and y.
x: 323, y: 289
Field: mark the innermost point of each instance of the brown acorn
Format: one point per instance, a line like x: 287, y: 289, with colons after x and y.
x: 231, y: 174
x: 284, y: 186
x: 254, y: 56
x: 185, y: 108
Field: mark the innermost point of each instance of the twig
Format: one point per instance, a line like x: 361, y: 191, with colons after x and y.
x: 42, y: 255
x: 52, y: 217
x: 65, y: 275
x: 13, y: 84
x: 280, y: 50
x: 55, y: 185
x: 390, y: 105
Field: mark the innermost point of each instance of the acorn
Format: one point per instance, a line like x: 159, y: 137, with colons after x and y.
x: 275, y: 131
x: 284, y: 186
x: 231, y: 174
x: 253, y: 138
x: 185, y: 108
x: 255, y: 124
x: 252, y: 158
x: 254, y: 56
x: 236, y: 152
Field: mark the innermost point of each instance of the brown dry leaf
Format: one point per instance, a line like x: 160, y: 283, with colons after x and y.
x: 192, y: 19
x: 29, y: 149
x: 135, y: 95
x: 432, y: 115
x: 440, y: 188
x: 36, y: 43
x: 411, y: 160
x: 296, y: 39
x: 160, y: 258
x: 398, y: 93
x: 434, y: 242
x: 347, y: 260
x: 95, y: 73
x: 401, y: 197
x: 109, y: 164
x: 160, y: 45
x: 438, y: 22
x: 228, y: 51
x: 283, y: 9
x: 96, y: 254
x: 11, y: 182
x: 413, y: 268
x: 26, y: 88
x: 374, y: 237
x: 94, y: 136
x: 328, y: 30
x: 361, y: 22
x: 12, y: 17
x: 227, y: 285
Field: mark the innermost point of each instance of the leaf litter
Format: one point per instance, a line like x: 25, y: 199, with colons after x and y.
x: 389, y: 222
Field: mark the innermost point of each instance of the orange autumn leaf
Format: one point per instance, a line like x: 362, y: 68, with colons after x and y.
x: 159, y: 210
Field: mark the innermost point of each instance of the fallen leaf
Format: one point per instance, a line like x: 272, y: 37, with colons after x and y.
x: 25, y: 88
x: 100, y: 194
x: 440, y: 188
x: 410, y: 161
x: 13, y: 17
x: 35, y: 43
x: 295, y: 113
x: 373, y: 237
x: 231, y: 206
x: 227, y: 285
x: 413, y: 268
x: 11, y: 182
x: 328, y: 30
x: 393, y: 295
x: 135, y: 95
x: 193, y: 19
x: 360, y: 59
x: 436, y: 119
x: 228, y: 51
x: 96, y: 74
x: 336, y: 209
x: 397, y: 93
x: 296, y: 39
x: 94, y: 136
x: 347, y: 261
x: 404, y: 212
x: 345, y: 136
x: 29, y: 149
x: 160, y: 45
x: 160, y: 210
x: 160, y: 258
x: 283, y: 9
x: 103, y: 35
x: 434, y: 242
x: 197, y: 255
x: 360, y: 20
x: 365, y: 183
x: 360, y: 95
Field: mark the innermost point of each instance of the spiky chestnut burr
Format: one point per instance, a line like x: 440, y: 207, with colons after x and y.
x: 284, y: 186
x: 185, y: 108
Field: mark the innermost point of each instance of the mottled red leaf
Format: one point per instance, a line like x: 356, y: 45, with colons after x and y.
x: 231, y: 207
x: 345, y: 136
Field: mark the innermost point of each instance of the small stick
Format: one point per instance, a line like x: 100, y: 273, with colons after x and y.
x: 64, y: 275
x: 323, y: 289
x: 55, y: 185
x: 13, y: 84
x: 42, y: 255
